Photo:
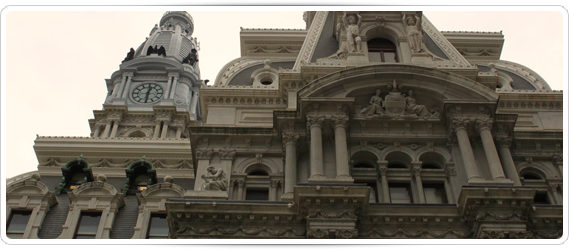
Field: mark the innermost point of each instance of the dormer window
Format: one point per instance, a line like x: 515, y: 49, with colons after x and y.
x: 382, y: 50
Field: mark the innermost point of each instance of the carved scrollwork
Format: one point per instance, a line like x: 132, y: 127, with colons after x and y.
x: 484, y: 123
x: 459, y: 123
x: 290, y: 138
x: 317, y: 234
x: 315, y: 121
x: 204, y: 154
x: 227, y: 154
x: 340, y: 121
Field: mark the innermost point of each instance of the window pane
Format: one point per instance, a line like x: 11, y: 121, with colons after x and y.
x: 89, y: 224
x: 14, y: 236
x: 390, y: 57
x: 375, y: 56
x: 435, y: 193
x: 18, y: 223
x: 158, y: 227
x: 400, y: 193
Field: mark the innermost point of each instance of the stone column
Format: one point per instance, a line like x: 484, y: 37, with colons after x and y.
x: 168, y: 87
x: 117, y: 90
x: 115, y: 128
x: 194, y: 104
x: 126, y: 87
x: 97, y: 131
x: 553, y: 189
x: 107, y: 129
x: 165, y: 130
x: 174, y: 85
x: 203, y: 156
x: 340, y: 124
x: 382, y: 171
x: 230, y: 189
x: 504, y: 144
x: 179, y: 130
x: 557, y: 161
x: 274, y: 189
x: 416, y: 171
x: 316, y: 156
x: 449, y: 180
x: 157, y: 129
x: 240, y: 185
x: 483, y: 126
x: 459, y: 126
x: 227, y: 156
x: 289, y: 141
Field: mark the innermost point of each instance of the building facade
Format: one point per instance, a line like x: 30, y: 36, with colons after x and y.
x: 363, y: 125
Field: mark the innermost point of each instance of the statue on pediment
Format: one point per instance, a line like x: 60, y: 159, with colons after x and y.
x: 412, y: 107
x: 376, y: 105
x: 414, y: 30
x: 352, y: 27
x: 215, y: 180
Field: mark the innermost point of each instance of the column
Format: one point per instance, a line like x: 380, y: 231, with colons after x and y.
x: 230, y: 189
x: 240, y: 184
x: 504, y: 144
x: 168, y: 88
x: 204, y: 157
x: 382, y: 171
x: 174, y: 86
x: 97, y: 131
x: 459, y: 126
x: 416, y: 171
x: 316, y: 157
x: 340, y: 124
x: 557, y: 161
x: 483, y: 126
x: 179, y: 130
x: 115, y: 128
x: 194, y: 103
x: 107, y: 129
x: 553, y: 189
x: 117, y: 90
x: 274, y: 188
x: 290, y: 140
x: 165, y: 130
x: 126, y: 88
x: 227, y: 156
x: 157, y: 129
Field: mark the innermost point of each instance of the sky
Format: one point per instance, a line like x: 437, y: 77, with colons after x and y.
x: 56, y: 62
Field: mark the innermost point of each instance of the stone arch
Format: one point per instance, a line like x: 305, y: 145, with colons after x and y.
x: 388, y: 31
x: 370, y: 149
x: 426, y: 155
x: 243, y: 167
x: 27, y: 186
x: 395, y: 156
x: 536, y: 168
x: 163, y: 190
x: 95, y: 188
x: 135, y: 132
x: 364, y: 157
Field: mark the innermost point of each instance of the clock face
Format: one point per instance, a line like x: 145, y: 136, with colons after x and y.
x: 147, y: 93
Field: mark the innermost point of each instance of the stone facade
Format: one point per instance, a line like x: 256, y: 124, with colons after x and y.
x: 365, y: 125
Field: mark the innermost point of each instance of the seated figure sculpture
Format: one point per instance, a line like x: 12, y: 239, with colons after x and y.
x: 215, y: 180
x: 412, y: 107
x: 375, y: 107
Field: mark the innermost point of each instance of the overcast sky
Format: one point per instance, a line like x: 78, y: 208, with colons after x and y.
x: 57, y: 62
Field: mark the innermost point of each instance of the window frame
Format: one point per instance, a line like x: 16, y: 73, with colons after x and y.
x: 18, y: 212
x: 149, y: 229
x: 78, y: 227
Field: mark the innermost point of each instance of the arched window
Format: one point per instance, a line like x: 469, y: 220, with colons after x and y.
x: 139, y: 176
x: 137, y: 133
x: 382, y: 50
x: 74, y: 173
x: 257, y: 185
x: 532, y: 177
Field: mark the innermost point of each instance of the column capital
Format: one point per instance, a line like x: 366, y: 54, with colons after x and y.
x: 275, y: 183
x: 227, y: 154
x: 240, y: 183
x: 483, y: 123
x: 553, y: 187
x: 459, y: 123
x: 204, y: 154
x: 340, y: 121
x: 503, y: 141
x: 315, y: 121
x: 416, y: 171
x: 290, y: 138
x: 557, y: 159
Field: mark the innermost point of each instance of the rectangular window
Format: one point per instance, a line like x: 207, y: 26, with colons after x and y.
x: 158, y: 227
x: 88, y: 225
x: 435, y: 193
x: 257, y: 195
x: 17, y: 224
x: 400, y: 193
x: 540, y: 198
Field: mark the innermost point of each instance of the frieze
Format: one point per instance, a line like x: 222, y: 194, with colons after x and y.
x: 252, y: 231
x: 505, y: 235
x: 245, y: 100
x: 531, y: 104
x: 376, y: 233
x: 112, y: 138
x: 279, y: 50
x: 343, y: 214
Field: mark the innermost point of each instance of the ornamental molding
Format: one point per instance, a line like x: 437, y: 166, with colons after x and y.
x: 449, y: 50
x: 309, y: 45
x: 524, y: 72
x: 204, y: 154
x: 377, y: 233
x: 232, y: 101
x: 243, y: 231
x: 520, y: 104
x: 232, y: 68
x: 111, y: 138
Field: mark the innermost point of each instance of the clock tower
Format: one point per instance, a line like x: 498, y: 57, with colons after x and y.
x: 158, y: 83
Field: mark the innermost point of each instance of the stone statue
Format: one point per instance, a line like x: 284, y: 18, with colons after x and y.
x: 215, y: 179
x: 353, y: 31
x: 192, y: 57
x: 375, y: 106
x: 414, y: 33
x: 129, y: 55
x: 411, y: 106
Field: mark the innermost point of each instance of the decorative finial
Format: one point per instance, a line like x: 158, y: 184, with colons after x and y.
x: 143, y: 158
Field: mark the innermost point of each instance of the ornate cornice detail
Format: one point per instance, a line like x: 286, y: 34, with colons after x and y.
x: 375, y: 233
x: 449, y: 50
x: 307, y: 49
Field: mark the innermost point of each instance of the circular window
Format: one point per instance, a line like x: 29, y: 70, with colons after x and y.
x: 147, y: 93
x: 267, y: 81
